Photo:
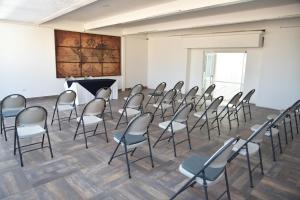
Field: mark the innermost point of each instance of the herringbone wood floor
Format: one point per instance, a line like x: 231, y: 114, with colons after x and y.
x: 79, y: 173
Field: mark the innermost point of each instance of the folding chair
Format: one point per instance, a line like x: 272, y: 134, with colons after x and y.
x: 189, y: 97
x: 92, y: 114
x: 294, y: 112
x: 232, y: 109
x: 64, y: 102
x: 207, y: 171
x: 31, y: 122
x: 206, y: 96
x: 178, y: 86
x: 132, y: 107
x: 105, y: 94
x: 10, y: 107
x: 176, y: 124
x: 252, y: 146
x: 134, y: 136
x: 158, y: 92
x: 166, y: 102
x: 134, y: 90
x: 245, y: 103
x: 211, y: 113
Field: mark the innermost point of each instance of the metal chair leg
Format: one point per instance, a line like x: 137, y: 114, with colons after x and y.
x: 260, y: 161
x: 20, y: 153
x: 49, y: 143
x: 272, y: 145
x: 104, y: 124
x: 249, y: 168
x: 112, y: 156
x: 78, y: 124
x: 58, y: 120
x: 85, y: 138
x: 150, y: 151
x: 127, y: 160
x: 227, y: 185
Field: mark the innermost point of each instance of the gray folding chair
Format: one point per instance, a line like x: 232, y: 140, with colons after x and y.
x: 206, y: 96
x: 166, y: 102
x: 29, y: 123
x: 105, y: 94
x: 135, y: 135
x: 245, y: 103
x: 10, y: 107
x: 252, y: 146
x: 158, y: 92
x: 92, y: 114
x: 207, y: 171
x: 178, y: 87
x: 64, y: 103
x: 134, y: 90
x: 176, y: 124
x: 231, y: 109
x: 189, y: 97
x: 211, y: 113
x: 132, y: 107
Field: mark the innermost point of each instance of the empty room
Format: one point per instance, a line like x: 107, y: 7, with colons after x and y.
x: 150, y: 99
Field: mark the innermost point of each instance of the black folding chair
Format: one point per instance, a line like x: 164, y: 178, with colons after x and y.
x: 189, y: 97
x: 250, y: 147
x: 245, y: 103
x: 134, y: 90
x: 105, y: 93
x: 207, y: 171
x: 178, y: 87
x: 211, y: 113
x: 158, y: 92
x: 135, y: 135
x: 165, y: 103
x: 231, y: 109
x: 207, y: 95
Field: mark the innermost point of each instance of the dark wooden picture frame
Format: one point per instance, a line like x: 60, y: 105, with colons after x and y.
x: 84, y: 54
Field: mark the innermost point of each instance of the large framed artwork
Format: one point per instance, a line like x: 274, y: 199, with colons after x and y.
x: 84, y: 54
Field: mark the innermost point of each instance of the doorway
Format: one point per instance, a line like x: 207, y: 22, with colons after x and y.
x: 226, y: 70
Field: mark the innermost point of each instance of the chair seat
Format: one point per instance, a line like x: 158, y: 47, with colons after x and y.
x: 64, y: 107
x: 131, y: 140
x: 90, y: 120
x: 164, y: 105
x: 130, y: 111
x: 252, y: 147
x: 177, y: 126
x: 255, y: 127
x: 26, y: 131
x: 191, y: 166
x: 209, y: 115
x: 11, y: 112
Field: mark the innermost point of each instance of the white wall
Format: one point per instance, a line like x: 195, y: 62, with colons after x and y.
x: 27, y: 61
x: 136, y: 54
x: 273, y: 70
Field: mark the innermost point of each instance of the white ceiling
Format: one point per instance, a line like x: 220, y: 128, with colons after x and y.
x: 143, y: 16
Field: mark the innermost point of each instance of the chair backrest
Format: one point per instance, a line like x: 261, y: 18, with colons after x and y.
x: 295, y: 106
x: 169, y: 96
x: 160, y: 88
x: 13, y: 101
x: 139, y: 125
x: 104, y: 93
x: 135, y: 101
x: 35, y: 115
x: 210, y: 89
x: 213, y: 107
x: 248, y: 96
x: 280, y: 117
x: 94, y: 107
x: 220, y: 157
x: 182, y: 113
x: 258, y: 135
x: 136, y: 89
x: 191, y: 94
x: 235, y: 99
x: 66, y: 97
x: 178, y: 86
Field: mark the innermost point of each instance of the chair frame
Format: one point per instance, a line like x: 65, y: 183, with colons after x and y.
x: 220, y: 98
x: 212, y: 88
x: 124, y: 112
x: 59, y: 119
x: 193, y: 98
x: 155, y: 95
x: 245, y: 146
x: 3, y: 128
x: 161, y: 106
x: 172, y: 130
x: 130, y: 93
x: 178, y: 91
x: 81, y: 121
x: 123, y: 140
x: 293, y: 112
x: 245, y: 103
x: 107, y: 101
x: 235, y: 112
x: 192, y: 180
x: 17, y: 138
